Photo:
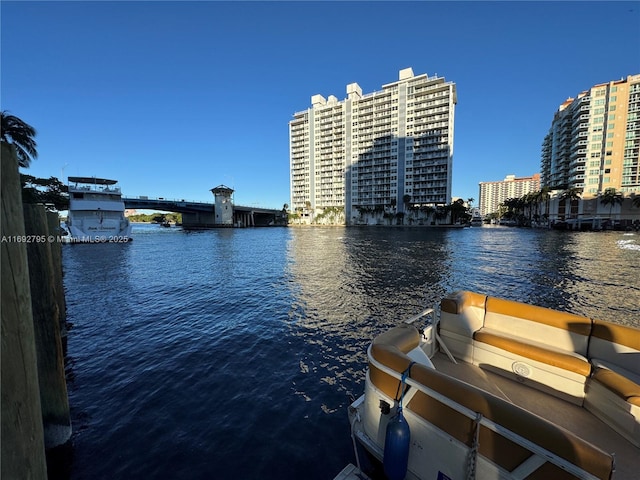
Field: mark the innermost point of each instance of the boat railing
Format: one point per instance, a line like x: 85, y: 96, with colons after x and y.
x: 540, y: 452
x: 89, y: 188
x: 424, y: 313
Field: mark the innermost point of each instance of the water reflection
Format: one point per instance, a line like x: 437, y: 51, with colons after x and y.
x: 349, y: 281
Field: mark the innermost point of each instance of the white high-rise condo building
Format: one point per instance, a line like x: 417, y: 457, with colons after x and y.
x: 594, y: 140
x: 492, y: 194
x: 390, y: 149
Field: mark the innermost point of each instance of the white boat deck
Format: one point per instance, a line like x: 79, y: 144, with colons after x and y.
x: 571, y: 417
x: 351, y: 472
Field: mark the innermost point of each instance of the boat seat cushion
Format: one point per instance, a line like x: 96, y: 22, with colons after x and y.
x: 597, y: 363
x: 462, y: 312
x: 492, y: 445
x: 566, y: 360
x: 390, y: 348
x: 622, y: 386
x: 616, y: 345
x: 560, y: 330
x: 615, y: 352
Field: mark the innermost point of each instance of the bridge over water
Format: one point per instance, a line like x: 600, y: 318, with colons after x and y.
x: 198, y: 215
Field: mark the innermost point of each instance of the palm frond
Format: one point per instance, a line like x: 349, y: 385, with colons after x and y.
x: 21, y: 135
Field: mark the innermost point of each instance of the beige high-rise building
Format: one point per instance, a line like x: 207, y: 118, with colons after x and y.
x: 594, y: 140
x: 375, y: 150
x: 492, y: 194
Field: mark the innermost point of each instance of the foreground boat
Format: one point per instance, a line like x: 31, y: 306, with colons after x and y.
x: 96, y: 211
x: 497, y: 389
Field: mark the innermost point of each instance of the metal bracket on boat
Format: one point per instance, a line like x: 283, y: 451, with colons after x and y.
x: 443, y: 346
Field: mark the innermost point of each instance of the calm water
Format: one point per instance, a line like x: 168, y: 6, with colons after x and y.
x: 231, y: 354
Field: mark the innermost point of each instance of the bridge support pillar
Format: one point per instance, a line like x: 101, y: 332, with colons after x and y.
x: 198, y: 220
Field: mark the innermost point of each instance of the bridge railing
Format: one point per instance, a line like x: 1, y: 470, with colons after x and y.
x: 145, y: 198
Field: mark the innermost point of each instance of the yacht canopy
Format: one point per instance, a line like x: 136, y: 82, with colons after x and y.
x: 92, y: 180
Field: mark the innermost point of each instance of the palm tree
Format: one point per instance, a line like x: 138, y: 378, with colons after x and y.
x: 21, y: 135
x: 458, y: 210
x: 428, y: 210
x: 571, y: 194
x: 405, y: 201
x: 636, y: 201
x: 528, y: 201
x: 611, y: 197
x: 512, y: 208
x: 310, y: 210
x: 544, y: 196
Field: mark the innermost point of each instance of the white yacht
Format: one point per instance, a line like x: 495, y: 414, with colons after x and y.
x: 96, y: 211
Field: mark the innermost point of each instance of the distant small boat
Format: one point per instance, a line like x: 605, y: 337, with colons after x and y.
x: 476, y: 221
x: 166, y: 224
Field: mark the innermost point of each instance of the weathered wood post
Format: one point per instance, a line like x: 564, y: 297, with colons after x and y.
x: 56, y: 417
x: 23, y: 454
x: 53, y: 224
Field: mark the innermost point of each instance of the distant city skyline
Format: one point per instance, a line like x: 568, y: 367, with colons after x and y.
x: 174, y: 98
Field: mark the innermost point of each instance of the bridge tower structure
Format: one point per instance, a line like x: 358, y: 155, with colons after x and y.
x: 223, y: 205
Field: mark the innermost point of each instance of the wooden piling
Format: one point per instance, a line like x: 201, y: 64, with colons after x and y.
x: 46, y: 320
x: 22, y: 446
x: 53, y: 224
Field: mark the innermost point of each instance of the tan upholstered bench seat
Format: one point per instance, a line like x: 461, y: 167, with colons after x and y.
x: 618, y: 384
x: 390, y: 349
x: 526, y: 348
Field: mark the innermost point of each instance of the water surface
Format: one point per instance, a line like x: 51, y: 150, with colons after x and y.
x: 233, y: 353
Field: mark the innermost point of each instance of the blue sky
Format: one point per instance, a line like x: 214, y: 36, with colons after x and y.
x: 175, y: 98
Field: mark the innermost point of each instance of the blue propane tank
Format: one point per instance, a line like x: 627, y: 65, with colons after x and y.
x: 396, y: 447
